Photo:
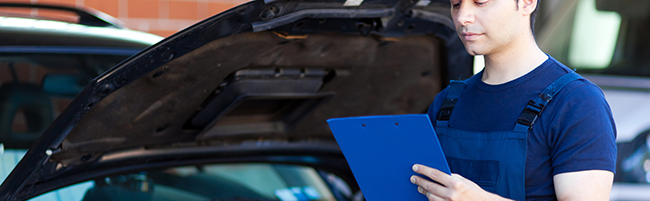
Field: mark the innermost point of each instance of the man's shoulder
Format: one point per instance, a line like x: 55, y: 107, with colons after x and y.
x: 581, y: 92
x: 576, y: 97
x: 579, y: 99
x: 577, y: 88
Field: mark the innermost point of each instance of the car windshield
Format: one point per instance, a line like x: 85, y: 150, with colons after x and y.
x: 219, y: 182
x: 37, y: 84
x: 599, y: 37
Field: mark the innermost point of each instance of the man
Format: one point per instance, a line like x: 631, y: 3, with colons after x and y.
x: 502, y: 135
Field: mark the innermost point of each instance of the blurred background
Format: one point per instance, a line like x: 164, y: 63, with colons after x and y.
x: 604, y: 40
x: 160, y: 17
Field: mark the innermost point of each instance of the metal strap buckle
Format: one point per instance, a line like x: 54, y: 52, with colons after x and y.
x: 530, y: 113
x: 445, y: 110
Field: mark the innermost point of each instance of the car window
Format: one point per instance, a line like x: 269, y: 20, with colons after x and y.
x: 247, y: 181
x: 599, y: 38
x: 36, y: 84
x: 74, y: 192
x: 593, y: 36
x: 8, y: 160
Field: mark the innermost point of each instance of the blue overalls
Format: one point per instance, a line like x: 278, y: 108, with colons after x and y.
x: 494, y: 160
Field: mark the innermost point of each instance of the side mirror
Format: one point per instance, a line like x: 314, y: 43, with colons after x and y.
x: 626, y: 8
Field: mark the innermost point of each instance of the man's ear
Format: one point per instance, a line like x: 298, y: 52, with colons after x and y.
x: 528, y: 6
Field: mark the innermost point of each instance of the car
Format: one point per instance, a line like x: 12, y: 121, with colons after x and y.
x: 235, y: 106
x: 606, y: 42
x: 46, y: 58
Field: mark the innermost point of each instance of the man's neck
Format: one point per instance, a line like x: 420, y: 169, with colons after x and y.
x: 512, y: 63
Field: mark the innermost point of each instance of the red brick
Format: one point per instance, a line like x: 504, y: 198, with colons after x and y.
x: 17, y: 11
x: 143, y: 8
x: 183, y: 10
x: 216, y: 7
x: 59, y: 15
x: 58, y: 2
x: 47, y: 13
x: 22, y: 1
x: 163, y: 33
x: 109, y: 7
x: 238, y: 2
x: 203, y: 10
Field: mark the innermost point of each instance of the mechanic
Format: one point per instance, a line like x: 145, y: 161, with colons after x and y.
x: 526, y: 127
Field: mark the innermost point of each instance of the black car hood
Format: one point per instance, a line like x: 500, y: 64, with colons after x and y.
x: 258, y: 79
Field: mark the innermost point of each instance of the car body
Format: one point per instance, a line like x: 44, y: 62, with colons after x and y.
x: 45, y: 61
x: 606, y: 41
x: 238, y: 103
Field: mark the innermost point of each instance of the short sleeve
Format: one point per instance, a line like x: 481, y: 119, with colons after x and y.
x: 582, y: 131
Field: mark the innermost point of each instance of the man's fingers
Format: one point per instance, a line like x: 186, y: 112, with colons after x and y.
x: 430, y: 196
x: 434, y: 174
x: 426, y: 186
x: 449, y: 187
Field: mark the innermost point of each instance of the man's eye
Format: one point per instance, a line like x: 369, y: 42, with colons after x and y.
x: 481, y: 3
x: 456, y: 5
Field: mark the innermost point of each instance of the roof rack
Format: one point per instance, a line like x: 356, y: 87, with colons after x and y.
x: 87, y: 16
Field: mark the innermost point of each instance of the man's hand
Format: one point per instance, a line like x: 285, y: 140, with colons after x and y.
x: 454, y: 187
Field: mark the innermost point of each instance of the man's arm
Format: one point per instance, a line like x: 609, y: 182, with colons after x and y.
x: 583, y: 185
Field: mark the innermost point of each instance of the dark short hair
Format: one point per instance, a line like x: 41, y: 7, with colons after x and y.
x: 533, y: 16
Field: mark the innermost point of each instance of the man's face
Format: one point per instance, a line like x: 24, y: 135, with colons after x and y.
x: 487, y: 26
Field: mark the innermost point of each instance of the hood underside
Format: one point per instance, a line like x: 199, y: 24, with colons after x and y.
x: 261, y: 72
x: 259, y: 85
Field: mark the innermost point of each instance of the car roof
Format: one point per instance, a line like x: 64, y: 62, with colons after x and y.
x: 91, y: 28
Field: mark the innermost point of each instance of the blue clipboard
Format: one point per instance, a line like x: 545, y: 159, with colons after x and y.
x: 381, y: 151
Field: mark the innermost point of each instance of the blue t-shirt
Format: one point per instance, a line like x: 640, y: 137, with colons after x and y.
x: 575, y: 131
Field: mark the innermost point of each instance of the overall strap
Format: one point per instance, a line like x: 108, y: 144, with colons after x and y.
x: 537, y: 105
x: 456, y: 88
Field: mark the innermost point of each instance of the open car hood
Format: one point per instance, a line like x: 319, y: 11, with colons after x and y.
x: 258, y: 79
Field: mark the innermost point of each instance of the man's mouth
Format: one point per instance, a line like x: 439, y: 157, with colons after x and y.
x: 470, y: 36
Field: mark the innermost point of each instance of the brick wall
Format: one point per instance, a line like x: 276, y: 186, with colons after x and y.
x: 161, y: 17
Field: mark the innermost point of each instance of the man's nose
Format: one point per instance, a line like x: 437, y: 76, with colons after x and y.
x: 466, y: 14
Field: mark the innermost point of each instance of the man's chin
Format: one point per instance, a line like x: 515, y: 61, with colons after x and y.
x: 474, y: 52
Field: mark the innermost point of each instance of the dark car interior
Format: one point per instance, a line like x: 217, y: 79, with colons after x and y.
x: 29, y: 101
x: 35, y: 88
